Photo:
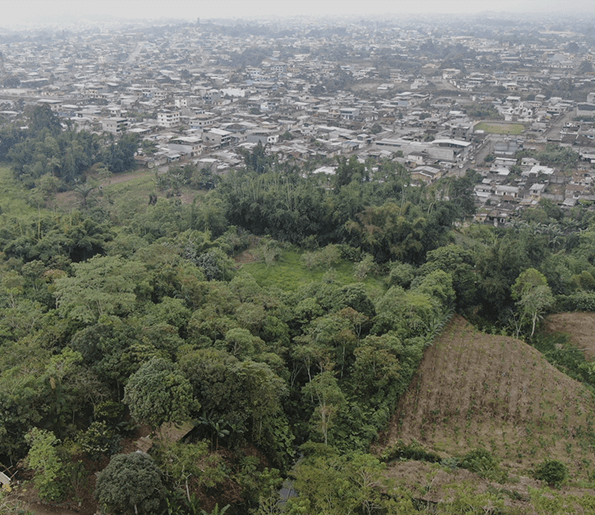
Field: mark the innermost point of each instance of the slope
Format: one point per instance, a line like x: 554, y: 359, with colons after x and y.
x: 483, y: 391
x: 580, y: 328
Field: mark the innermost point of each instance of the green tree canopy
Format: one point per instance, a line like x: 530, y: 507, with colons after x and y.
x: 157, y: 393
x: 131, y: 483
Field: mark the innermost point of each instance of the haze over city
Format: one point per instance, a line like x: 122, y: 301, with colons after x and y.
x: 40, y: 12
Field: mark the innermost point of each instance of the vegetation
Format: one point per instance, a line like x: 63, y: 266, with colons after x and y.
x: 553, y: 472
x: 278, y: 314
x: 483, y: 111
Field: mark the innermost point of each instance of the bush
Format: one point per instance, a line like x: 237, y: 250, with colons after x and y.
x: 553, y: 472
x: 483, y: 463
x: 323, y: 258
x: 412, y: 451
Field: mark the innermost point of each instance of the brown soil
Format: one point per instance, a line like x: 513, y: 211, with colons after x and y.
x: 475, y: 390
x: 579, y: 326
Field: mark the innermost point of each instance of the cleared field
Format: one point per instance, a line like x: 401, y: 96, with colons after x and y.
x: 500, y: 128
x: 580, y: 328
x: 475, y: 390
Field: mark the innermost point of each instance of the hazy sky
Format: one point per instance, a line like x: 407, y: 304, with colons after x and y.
x: 35, y: 11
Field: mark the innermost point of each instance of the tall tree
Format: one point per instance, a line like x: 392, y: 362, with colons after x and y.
x: 533, y: 296
x: 325, y: 391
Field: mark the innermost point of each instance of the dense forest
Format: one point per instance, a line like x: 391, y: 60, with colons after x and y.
x: 131, y: 316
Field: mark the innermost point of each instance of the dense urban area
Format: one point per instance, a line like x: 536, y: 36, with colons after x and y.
x: 439, y: 97
x: 298, y: 265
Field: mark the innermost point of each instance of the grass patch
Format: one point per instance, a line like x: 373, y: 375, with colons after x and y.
x: 13, y: 198
x: 289, y: 272
x: 500, y: 128
x: 139, y: 185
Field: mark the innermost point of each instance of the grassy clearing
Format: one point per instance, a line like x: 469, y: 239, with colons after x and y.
x: 290, y: 272
x: 13, y: 199
x: 500, y: 128
x: 143, y: 184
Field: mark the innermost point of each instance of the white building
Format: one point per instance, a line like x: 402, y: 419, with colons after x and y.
x: 168, y: 119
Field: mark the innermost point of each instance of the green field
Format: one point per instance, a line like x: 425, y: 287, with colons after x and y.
x: 290, y: 272
x: 15, y: 202
x: 500, y: 128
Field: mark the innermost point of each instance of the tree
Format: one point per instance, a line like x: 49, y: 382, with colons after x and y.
x: 42, y: 117
x: 325, y: 390
x: 375, y: 373
x: 103, y: 285
x: 186, y: 463
x: 459, y: 263
x: 43, y: 458
x: 119, y: 156
x: 348, y: 171
x: 553, y: 472
x: 131, y: 483
x: 533, y: 295
x: 330, y: 484
x: 389, y: 232
x: 262, y: 393
x: 157, y: 393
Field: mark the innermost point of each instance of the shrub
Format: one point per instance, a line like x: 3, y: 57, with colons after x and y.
x: 323, y: 258
x: 553, y: 472
x: 483, y: 463
x: 412, y: 451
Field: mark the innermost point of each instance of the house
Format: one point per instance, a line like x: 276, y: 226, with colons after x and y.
x: 349, y: 113
x: 538, y: 169
x: 510, y: 191
x: 217, y: 138
x: 168, y: 119
x: 585, y: 109
x: 427, y: 174
x: 537, y: 189
x: 498, y: 217
x: 507, y: 148
x: 416, y: 158
x: 529, y: 162
x: 263, y: 136
x: 115, y: 125
x: 191, y: 145
x: 4, y: 480
x: 484, y: 190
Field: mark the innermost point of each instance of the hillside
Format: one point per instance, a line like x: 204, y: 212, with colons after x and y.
x: 579, y: 327
x: 475, y: 390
